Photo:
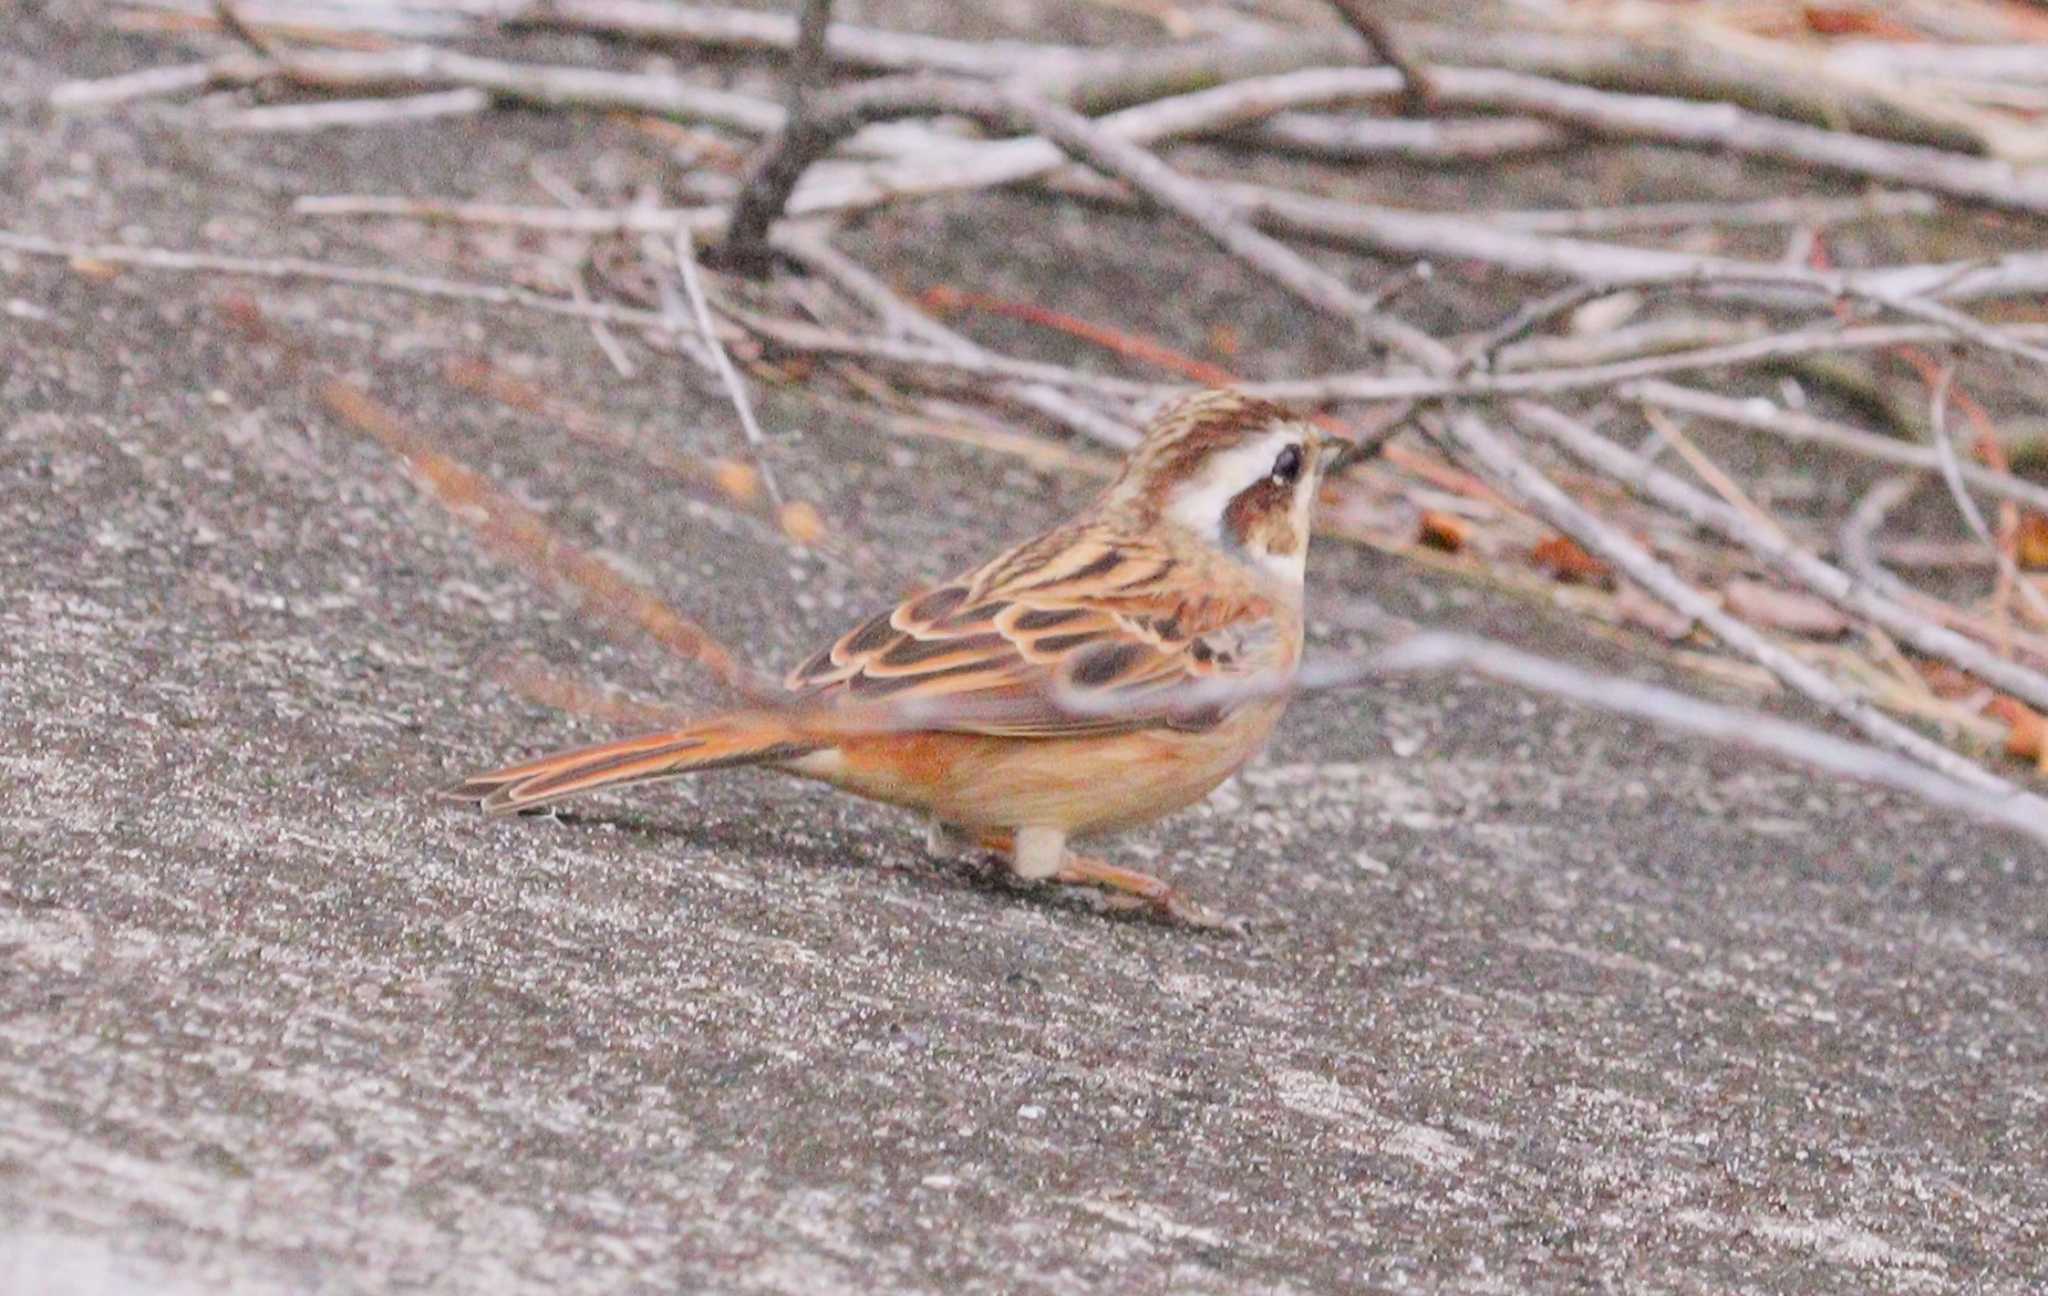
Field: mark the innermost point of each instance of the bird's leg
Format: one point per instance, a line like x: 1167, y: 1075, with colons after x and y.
x: 1041, y: 854
x: 1129, y: 888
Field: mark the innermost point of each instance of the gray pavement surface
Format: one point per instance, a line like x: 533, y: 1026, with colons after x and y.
x: 1537, y: 1001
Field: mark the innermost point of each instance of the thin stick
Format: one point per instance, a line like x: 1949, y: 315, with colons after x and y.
x: 2005, y: 806
x: 1333, y: 138
x: 1942, y: 436
x: 1763, y: 416
x: 1781, y: 346
x: 518, y: 531
x: 700, y: 305
x: 607, y: 341
x: 857, y: 106
x: 325, y: 272
x: 1678, y: 215
x: 817, y: 254
x: 1365, y: 387
x: 231, y: 22
x: 1770, y: 544
x: 1483, y: 447
x: 403, y: 110
x: 1945, y: 455
x: 1856, y: 538
x: 1712, y: 473
x: 1381, y: 231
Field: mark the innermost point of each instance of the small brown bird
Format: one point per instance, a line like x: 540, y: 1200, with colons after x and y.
x: 1111, y: 671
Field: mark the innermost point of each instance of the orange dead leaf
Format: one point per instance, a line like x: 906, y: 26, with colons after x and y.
x: 1445, y: 531
x: 1562, y: 557
x: 2033, y: 540
x: 96, y: 270
x: 801, y: 522
x: 740, y: 481
x: 1841, y: 20
x: 1945, y: 681
x: 2028, y: 737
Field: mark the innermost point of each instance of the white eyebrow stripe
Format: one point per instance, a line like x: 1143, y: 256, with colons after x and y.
x: 1199, y: 505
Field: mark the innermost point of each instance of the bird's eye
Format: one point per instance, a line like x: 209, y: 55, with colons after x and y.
x: 1287, y: 468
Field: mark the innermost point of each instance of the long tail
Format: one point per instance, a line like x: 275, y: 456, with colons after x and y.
x: 743, y: 738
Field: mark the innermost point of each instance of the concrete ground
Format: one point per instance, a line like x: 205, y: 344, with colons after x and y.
x: 1536, y: 1001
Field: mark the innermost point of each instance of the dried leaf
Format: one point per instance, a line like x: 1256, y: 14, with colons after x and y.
x: 1945, y: 681
x: 2028, y: 738
x: 1445, y: 531
x: 1562, y: 557
x: 739, y: 481
x: 1843, y: 20
x: 1779, y: 608
x: 2033, y: 540
x: 802, y: 522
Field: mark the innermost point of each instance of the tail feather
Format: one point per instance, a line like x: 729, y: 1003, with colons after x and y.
x: 715, y: 744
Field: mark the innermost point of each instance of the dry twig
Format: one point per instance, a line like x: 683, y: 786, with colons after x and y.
x: 1771, y: 545
x: 1527, y: 483
x: 700, y: 305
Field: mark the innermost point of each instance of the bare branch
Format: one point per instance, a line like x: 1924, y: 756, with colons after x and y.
x: 2019, y: 811
x: 1484, y: 448
x: 1549, y: 382
x: 1359, y: 139
x: 1771, y: 545
x: 1678, y: 215
x: 818, y: 255
x: 1763, y: 416
x: 402, y: 110
x: 700, y: 305
x: 1943, y: 438
x: 766, y: 191
x: 857, y: 106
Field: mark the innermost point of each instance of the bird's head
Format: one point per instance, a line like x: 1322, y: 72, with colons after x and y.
x: 1239, y: 472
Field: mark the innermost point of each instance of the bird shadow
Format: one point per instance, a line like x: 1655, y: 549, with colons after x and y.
x: 979, y: 872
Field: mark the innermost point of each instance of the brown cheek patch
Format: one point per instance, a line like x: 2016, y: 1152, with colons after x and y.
x: 1261, y: 516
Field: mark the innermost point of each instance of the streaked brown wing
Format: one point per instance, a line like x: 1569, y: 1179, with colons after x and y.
x: 1026, y: 644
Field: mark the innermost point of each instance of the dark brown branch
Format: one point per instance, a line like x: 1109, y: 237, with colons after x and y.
x: 744, y: 249
x: 838, y: 115
x: 1419, y: 96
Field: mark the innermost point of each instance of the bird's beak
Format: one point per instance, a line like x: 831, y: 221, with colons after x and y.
x: 1339, y: 454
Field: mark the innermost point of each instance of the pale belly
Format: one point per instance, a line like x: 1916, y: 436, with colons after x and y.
x: 1079, y: 785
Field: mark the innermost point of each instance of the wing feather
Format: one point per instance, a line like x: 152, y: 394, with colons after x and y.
x: 1010, y: 647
